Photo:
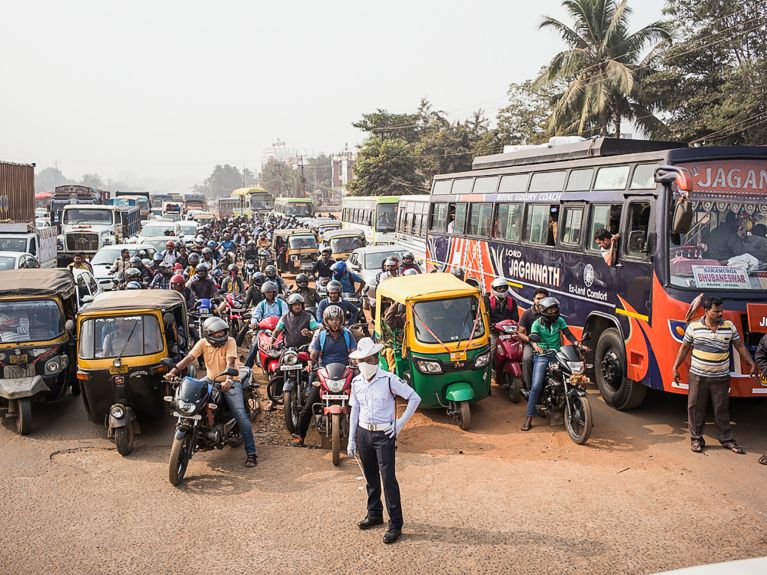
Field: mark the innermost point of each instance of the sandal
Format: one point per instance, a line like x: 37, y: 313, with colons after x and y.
x: 251, y: 461
x: 269, y: 406
x: 297, y: 442
x: 734, y: 447
x: 527, y: 425
x: 696, y: 447
x: 763, y: 460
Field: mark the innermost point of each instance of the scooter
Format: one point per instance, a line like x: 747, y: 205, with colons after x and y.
x: 507, y: 359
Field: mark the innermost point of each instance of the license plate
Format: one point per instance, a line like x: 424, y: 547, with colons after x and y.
x: 204, y: 311
x: 291, y: 367
x: 195, y: 417
x: 337, y: 397
x: 123, y: 369
x: 23, y: 358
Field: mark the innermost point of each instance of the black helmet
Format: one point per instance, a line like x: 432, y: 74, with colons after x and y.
x: 211, y: 326
x: 203, y: 267
x: 459, y: 273
x: 270, y: 271
x: 194, y: 259
x: 135, y: 261
x: 302, y: 280
x: 269, y: 286
x: 547, y: 306
x: 259, y: 278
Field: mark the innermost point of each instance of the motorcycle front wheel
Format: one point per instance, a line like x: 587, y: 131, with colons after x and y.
x: 291, y: 410
x: 180, y: 454
x: 578, y: 419
x: 335, y: 434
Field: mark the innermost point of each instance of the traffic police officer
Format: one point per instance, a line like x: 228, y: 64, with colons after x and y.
x: 374, y: 422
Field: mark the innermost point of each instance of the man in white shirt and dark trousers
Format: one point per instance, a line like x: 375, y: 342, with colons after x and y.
x: 374, y: 423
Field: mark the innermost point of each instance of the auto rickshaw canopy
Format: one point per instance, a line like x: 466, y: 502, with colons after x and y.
x: 37, y: 283
x: 335, y: 234
x: 426, y: 286
x: 123, y: 300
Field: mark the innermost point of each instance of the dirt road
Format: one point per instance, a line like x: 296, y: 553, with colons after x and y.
x: 494, y: 499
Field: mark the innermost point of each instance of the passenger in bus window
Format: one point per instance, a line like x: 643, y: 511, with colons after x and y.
x: 607, y: 243
x: 451, y: 219
x: 756, y: 242
x: 553, y: 221
x: 724, y: 241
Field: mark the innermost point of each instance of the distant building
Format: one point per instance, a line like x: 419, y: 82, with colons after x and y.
x: 281, y: 153
x: 343, y: 169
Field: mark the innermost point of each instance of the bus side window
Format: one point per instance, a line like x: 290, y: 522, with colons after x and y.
x: 603, y: 216
x: 572, y: 226
x: 637, y: 223
x: 438, y: 221
x: 508, y: 222
x: 460, y: 217
x: 541, y: 224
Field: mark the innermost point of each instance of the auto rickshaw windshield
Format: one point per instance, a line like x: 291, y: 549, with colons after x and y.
x: 123, y: 336
x: 347, y: 244
x: 37, y: 320
x: 447, y: 320
x: 302, y: 242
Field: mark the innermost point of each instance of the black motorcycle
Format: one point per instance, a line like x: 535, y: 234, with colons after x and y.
x: 249, y: 270
x: 564, y: 390
x: 204, y: 420
x: 295, y: 385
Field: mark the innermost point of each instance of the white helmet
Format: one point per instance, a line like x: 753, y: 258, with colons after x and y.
x: 500, y: 287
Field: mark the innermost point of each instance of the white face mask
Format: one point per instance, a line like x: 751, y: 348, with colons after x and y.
x: 368, y: 370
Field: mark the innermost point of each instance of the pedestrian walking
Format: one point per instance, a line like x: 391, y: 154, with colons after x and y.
x: 709, y: 339
x: 760, y: 359
x: 375, y: 425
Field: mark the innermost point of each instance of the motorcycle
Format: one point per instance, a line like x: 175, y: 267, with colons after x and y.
x: 507, y: 359
x: 295, y: 385
x: 268, y: 358
x: 564, y: 390
x: 204, y: 420
x: 234, y: 311
x: 332, y: 413
x: 201, y: 310
x: 322, y: 287
x: 249, y: 270
x: 264, y: 258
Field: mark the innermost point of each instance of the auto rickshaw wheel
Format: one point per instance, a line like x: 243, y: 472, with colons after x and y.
x: 335, y: 424
x: 124, y: 439
x: 464, y: 415
x: 23, y: 416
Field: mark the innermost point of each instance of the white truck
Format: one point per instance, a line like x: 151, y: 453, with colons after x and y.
x: 26, y: 238
x: 87, y: 228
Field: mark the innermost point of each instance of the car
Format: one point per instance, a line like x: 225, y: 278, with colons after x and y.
x: 186, y: 229
x: 103, y: 260
x: 87, y: 287
x: 159, y: 243
x: 17, y: 261
x: 154, y: 228
x: 43, y: 222
x: 42, y: 213
x: 368, y: 261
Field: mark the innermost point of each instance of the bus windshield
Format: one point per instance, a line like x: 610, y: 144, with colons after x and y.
x: 299, y: 210
x: 385, y: 217
x: 261, y: 202
x: 447, y: 320
x: 726, y: 248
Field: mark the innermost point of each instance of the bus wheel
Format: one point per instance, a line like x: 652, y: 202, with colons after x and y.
x: 610, y: 366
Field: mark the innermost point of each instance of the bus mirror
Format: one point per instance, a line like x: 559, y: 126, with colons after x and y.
x: 668, y: 175
x: 679, y: 181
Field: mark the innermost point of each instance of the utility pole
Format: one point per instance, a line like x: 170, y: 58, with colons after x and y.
x: 302, y: 181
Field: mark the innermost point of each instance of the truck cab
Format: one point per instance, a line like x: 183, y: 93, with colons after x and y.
x: 26, y: 238
x: 86, y: 228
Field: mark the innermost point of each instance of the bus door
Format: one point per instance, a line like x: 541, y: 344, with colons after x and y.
x: 633, y: 269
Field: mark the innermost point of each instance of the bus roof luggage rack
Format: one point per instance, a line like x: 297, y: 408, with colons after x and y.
x: 590, y: 148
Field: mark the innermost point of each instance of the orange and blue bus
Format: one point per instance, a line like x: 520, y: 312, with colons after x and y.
x: 531, y: 217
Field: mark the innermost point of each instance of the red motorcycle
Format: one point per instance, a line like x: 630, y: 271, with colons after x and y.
x: 268, y: 358
x: 234, y: 311
x: 507, y: 359
x: 332, y: 413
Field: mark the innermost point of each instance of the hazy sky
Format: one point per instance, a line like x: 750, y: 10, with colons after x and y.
x: 159, y: 92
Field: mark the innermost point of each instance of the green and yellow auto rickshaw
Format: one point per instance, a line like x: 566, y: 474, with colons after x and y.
x: 437, y: 338
x: 344, y: 242
x: 37, y: 349
x: 123, y: 337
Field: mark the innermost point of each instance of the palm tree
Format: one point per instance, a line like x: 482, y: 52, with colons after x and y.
x: 602, y: 68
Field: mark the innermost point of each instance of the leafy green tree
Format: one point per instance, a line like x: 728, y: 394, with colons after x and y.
x: 278, y: 178
x: 525, y: 119
x: 386, y: 167
x: 602, y: 67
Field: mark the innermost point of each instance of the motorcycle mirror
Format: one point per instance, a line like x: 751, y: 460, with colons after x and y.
x: 231, y: 371
x: 168, y: 362
x: 70, y: 327
x: 534, y: 337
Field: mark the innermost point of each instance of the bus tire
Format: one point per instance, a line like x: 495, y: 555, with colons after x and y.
x: 610, y: 369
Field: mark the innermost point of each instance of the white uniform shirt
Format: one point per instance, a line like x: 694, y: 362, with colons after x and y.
x: 374, y: 399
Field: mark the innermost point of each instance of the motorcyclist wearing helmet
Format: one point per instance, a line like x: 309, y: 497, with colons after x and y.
x: 251, y: 251
x: 270, y: 272
x: 208, y: 257
x: 161, y: 280
x: 321, y: 268
x: 331, y: 345
x: 202, y: 286
x: 178, y: 283
x: 408, y: 263
x: 169, y: 254
x: 499, y: 303
x: 311, y: 298
x: 347, y: 279
x: 298, y: 324
x: 548, y: 327
x: 194, y: 261
x: 254, y: 295
x: 390, y: 270
x: 525, y: 324
x: 132, y: 275
x: 219, y: 352
x: 233, y: 282
x: 137, y: 263
x: 334, y: 298
x: 270, y: 306
x: 227, y: 244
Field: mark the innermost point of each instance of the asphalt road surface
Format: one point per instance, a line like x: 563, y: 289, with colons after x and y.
x: 490, y: 500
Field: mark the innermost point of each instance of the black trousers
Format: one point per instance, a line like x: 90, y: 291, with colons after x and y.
x: 377, y: 454
x: 306, y: 413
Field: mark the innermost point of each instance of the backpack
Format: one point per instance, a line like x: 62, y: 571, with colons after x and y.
x: 347, y: 339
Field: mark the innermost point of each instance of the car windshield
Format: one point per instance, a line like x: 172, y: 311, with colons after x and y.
x: 447, y: 320
x: 78, y: 216
x: 157, y: 229
x: 124, y: 336
x: 188, y: 229
x: 302, y: 242
x: 299, y: 210
x: 385, y: 217
x: 7, y: 263
x: 345, y: 245
x: 37, y: 320
x: 13, y: 244
x: 375, y: 260
x: 726, y: 247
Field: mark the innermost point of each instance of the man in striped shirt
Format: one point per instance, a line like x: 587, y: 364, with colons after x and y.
x: 709, y: 339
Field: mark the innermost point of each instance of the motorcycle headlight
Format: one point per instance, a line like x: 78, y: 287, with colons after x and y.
x: 290, y: 359
x: 482, y: 360
x: 295, y: 258
x: 335, y: 385
x: 576, y: 366
x: 427, y: 366
x: 185, y: 407
x: 117, y: 411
